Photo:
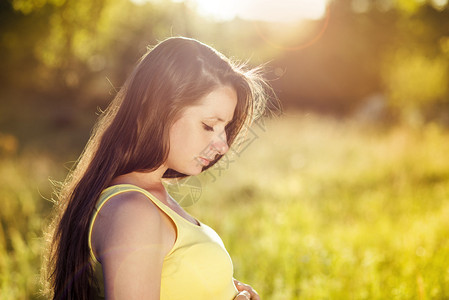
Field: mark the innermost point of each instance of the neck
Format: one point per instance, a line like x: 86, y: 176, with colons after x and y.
x: 146, y: 180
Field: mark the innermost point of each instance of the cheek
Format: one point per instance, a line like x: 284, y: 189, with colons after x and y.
x: 175, y: 139
x: 183, y: 138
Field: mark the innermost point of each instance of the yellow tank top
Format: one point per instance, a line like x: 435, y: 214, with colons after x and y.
x: 197, y: 267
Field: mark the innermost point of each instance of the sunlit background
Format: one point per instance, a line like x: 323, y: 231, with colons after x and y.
x: 344, y: 196
x: 262, y: 10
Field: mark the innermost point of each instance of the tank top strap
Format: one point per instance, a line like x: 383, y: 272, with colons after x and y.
x: 114, y: 190
x: 120, y: 188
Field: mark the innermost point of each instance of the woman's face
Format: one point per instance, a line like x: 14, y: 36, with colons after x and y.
x: 199, y: 134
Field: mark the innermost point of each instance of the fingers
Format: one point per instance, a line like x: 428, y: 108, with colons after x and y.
x: 244, y: 295
x: 245, y: 287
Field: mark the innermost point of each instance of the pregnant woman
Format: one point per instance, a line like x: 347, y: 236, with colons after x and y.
x: 117, y: 233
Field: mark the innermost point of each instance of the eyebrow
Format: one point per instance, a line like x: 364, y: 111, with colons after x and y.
x: 219, y: 119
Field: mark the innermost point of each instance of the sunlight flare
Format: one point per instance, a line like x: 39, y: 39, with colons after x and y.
x: 284, y: 11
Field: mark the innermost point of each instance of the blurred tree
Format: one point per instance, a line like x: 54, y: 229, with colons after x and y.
x: 353, y: 59
x: 414, y: 81
x: 415, y: 71
x: 75, y: 44
x: 343, y: 66
x: 65, y: 50
x: 18, y: 35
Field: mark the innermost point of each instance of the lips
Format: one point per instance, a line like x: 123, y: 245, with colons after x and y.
x: 204, y: 161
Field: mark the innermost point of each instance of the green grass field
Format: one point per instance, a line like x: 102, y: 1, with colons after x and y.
x: 314, y: 208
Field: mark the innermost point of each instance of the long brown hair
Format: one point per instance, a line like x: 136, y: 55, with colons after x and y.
x: 132, y: 135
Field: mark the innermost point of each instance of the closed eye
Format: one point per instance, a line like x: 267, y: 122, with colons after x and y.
x: 208, y: 128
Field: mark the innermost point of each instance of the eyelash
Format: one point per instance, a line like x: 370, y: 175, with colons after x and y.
x: 208, y: 128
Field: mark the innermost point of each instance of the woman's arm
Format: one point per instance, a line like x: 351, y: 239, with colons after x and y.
x: 131, y: 240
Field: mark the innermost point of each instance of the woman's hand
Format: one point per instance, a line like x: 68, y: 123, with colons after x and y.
x: 246, y: 292
x: 243, y: 296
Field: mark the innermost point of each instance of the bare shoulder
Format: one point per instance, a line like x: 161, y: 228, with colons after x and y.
x: 130, y: 205
x: 129, y: 221
x: 131, y: 239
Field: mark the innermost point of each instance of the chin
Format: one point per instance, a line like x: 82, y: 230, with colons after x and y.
x: 192, y: 171
x: 197, y: 171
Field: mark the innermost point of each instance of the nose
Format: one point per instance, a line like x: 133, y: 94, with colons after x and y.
x: 220, y: 144
x: 223, y: 148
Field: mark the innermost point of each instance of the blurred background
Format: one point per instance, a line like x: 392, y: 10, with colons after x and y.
x: 344, y: 196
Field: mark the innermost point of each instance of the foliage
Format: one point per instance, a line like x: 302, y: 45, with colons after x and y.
x: 22, y: 215
x: 413, y: 80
